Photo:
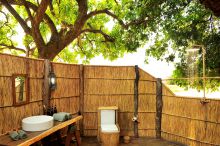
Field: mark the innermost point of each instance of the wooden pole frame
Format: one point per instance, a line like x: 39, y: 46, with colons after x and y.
x: 159, y: 107
x: 137, y: 76
x: 46, y: 86
x: 81, y: 107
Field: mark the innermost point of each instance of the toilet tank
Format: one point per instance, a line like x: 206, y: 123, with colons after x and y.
x: 108, y: 117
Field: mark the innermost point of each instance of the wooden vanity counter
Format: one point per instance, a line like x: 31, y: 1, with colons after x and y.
x: 34, y: 137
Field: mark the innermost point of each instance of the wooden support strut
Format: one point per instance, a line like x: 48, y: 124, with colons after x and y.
x: 46, y: 88
x: 136, y: 100
x: 159, y: 106
x: 81, y: 76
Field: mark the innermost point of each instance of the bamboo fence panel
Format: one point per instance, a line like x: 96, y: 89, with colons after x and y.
x: 66, y: 70
x: 96, y: 86
x: 66, y: 88
x: 184, y: 120
x: 192, y: 108
x: 19, y: 65
x: 70, y: 105
x: 66, y: 95
x: 6, y: 91
x: 11, y: 116
x: 12, y: 64
x: 36, y: 68
x: 141, y: 133
x: 188, y: 121
x: 147, y: 133
x: 90, y: 121
x: 166, y: 91
x: 92, y: 102
x: 89, y: 132
x: 109, y: 72
x: 35, y: 86
x: 114, y: 86
x: 147, y: 103
x: 146, y: 120
x: 146, y: 76
x: 147, y: 87
x: 182, y: 140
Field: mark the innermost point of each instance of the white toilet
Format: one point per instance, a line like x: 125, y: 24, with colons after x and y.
x: 108, y: 128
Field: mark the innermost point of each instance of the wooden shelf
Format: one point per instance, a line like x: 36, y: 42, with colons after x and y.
x: 37, y: 136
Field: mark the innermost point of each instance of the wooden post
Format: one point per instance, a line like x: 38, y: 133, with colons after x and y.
x: 46, y: 86
x: 81, y: 76
x: 159, y: 106
x: 136, y: 101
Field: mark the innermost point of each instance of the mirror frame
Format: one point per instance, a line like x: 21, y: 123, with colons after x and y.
x: 15, y: 103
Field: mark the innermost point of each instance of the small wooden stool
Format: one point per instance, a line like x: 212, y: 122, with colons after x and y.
x: 72, y: 133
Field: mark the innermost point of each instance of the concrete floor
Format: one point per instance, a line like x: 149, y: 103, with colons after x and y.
x: 144, y: 141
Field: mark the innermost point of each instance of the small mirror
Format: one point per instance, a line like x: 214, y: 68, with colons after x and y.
x: 20, y: 89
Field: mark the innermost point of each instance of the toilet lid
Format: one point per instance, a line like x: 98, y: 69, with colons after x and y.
x: 109, y: 128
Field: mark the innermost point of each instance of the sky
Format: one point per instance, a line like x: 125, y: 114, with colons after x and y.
x: 156, y: 68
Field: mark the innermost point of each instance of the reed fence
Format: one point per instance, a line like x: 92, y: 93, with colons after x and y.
x: 85, y: 87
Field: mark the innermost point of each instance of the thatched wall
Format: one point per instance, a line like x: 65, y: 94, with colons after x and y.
x: 114, y: 86
x: 188, y: 121
x: 10, y: 116
x: 102, y: 86
x: 66, y: 95
x: 85, y: 88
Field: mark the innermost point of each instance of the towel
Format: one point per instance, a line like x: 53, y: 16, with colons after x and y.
x: 72, y: 128
x: 14, y: 135
x: 69, y: 116
x: 22, y: 134
x: 62, y: 116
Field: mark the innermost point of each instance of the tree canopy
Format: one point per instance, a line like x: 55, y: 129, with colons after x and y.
x: 111, y: 28
x: 89, y: 27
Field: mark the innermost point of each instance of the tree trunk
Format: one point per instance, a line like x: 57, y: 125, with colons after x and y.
x: 213, y: 5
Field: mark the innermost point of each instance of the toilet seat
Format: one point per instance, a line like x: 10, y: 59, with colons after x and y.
x: 109, y: 128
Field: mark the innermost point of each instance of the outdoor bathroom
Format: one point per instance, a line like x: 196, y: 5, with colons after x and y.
x: 82, y: 89
x: 109, y: 73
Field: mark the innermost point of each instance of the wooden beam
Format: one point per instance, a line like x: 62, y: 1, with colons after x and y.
x: 159, y: 106
x: 46, y: 86
x: 136, y: 100
x: 81, y: 85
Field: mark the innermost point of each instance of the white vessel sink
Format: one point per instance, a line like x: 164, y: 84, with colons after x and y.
x: 37, y: 123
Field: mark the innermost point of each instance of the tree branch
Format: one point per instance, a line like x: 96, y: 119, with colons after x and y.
x: 35, y: 8
x: 51, y: 8
x: 6, y: 17
x: 41, y: 11
x: 107, y: 37
x: 106, y: 11
x: 90, y: 41
x: 74, y: 31
x: 125, y: 25
x: 17, y: 16
x: 80, y: 46
x: 46, y: 17
x: 4, y: 46
x: 28, y: 10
